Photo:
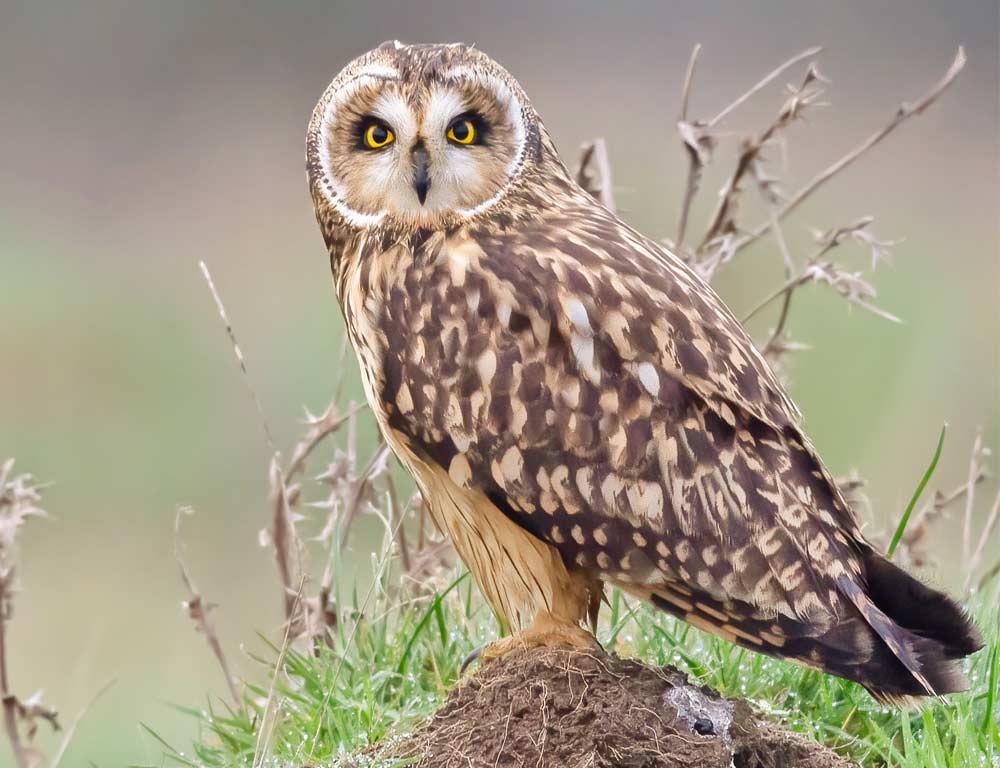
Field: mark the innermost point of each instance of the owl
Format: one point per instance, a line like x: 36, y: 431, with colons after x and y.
x: 577, y: 407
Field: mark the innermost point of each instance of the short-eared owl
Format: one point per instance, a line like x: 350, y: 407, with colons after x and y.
x: 577, y: 406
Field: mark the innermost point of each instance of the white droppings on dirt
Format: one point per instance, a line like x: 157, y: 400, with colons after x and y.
x: 694, y: 707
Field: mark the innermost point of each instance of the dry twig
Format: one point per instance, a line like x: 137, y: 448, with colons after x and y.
x: 723, y: 221
x: 320, y: 428
x: 71, y: 731
x: 819, y: 269
x: 978, y: 453
x: 915, y: 536
x: 905, y: 112
x: 984, y: 536
x: 286, y: 541
x: 19, y: 500
x: 594, y: 173
x: 697, y: 144
x: 698, y: 138
x: 200, y: 611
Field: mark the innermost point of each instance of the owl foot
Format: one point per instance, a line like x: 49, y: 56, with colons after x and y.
x: 544, y: 632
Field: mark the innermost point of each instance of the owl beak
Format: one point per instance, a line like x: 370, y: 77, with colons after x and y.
x: 421, y: 178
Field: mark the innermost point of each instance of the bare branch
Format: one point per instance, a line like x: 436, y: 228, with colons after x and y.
x: 594, y: 173
x: 199, y: 610
x: 376, y: 465
x: 19, y: 500
x: 287, y: 545
x: 772, y: 349
x: 800, y: 99
x: 904, y: 112
x: 766, y: 80
x: 71, y: 731
x: 238, y: 351
x: 396, y: 516
x: 698, y: 139
x: 688, y: 78
x: 974, y: 469
x: 934, y: 509
x: 849, y: 285
x: 984, y: 536
x: 320, y: 427
x: 789, y: 286
x: 697, y: 144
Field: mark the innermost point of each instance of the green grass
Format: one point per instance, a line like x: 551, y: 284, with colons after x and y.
x: 897, y: 536
x: 393, y: 664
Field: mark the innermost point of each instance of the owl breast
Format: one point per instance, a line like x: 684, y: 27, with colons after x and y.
x: 519, y: 574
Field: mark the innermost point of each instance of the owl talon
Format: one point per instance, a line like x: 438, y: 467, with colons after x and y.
x: 543, y: 633
x: 473, y: 657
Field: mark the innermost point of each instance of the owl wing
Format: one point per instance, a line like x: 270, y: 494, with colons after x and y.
x: 603, y: 397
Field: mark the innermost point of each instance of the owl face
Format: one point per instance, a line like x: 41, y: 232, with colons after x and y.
x: 418, y: 136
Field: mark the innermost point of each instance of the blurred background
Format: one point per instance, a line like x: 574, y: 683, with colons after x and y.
x: 137, y: 138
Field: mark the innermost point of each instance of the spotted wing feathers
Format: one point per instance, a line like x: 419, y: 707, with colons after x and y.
x: 603, y: 397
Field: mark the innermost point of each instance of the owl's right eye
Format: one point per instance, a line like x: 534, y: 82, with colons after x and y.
x: 377, y: 135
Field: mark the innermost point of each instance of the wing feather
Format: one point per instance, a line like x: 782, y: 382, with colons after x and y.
x: 603, y: 397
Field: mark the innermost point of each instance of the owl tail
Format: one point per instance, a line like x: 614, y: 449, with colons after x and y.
x: 903, y: 640
x: 927, y: 633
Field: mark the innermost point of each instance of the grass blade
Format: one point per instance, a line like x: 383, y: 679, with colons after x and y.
x: 991, y: 691
x: 905, y: 519
x: 401, y: 667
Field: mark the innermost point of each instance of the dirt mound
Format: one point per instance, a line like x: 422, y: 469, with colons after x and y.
x: 567, y: 709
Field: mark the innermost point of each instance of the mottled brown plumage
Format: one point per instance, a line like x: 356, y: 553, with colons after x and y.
x: 575, y: 404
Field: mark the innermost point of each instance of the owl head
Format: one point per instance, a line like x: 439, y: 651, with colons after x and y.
x: 423, y: 137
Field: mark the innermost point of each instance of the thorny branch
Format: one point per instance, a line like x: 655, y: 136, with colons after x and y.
x: 199, y: 610
x: 19, y: 500
x: 285, y: 538
x: 724, y: 237
x: 819, y: 269
x: 320, y: 427
x: 904, y: 113
x: 723, y: 222
x: 697, y: 136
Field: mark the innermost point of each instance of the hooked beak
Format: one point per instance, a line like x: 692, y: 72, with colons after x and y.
x: 421, y: 179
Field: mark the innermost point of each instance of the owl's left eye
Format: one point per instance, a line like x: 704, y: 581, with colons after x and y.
x: 463, y: 130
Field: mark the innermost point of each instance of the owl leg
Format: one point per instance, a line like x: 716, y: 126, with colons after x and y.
x: 546, y: 631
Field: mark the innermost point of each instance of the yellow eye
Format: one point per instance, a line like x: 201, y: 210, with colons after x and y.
x: 378, y: 135
x: 462, y: 132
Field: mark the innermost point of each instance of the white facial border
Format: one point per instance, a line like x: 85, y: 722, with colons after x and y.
x: 515, y: 114
x: 397, y: 115
x: 344, y: 92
